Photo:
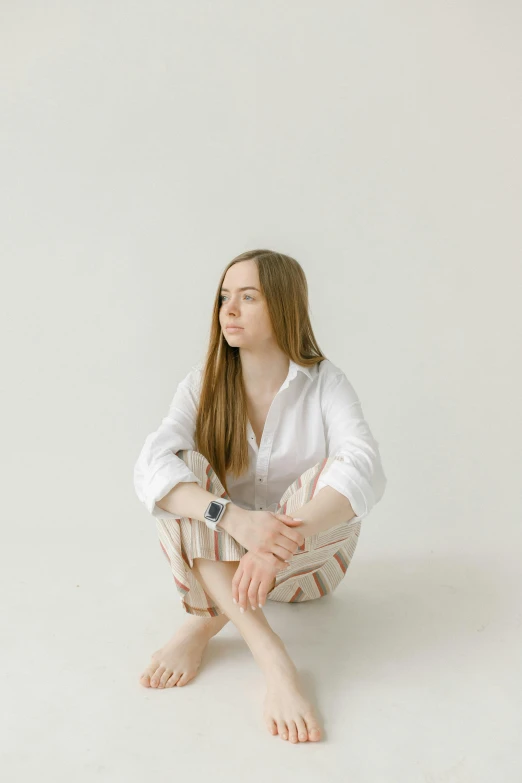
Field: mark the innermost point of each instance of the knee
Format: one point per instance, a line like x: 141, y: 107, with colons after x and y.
x: 203, y: 470
x: 197, y: 462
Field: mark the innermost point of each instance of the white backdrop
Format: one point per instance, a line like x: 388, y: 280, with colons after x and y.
x: 143, y: 146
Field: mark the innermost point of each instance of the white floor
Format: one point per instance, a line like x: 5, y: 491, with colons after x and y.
x: 413, y: 664
x: 146, y: 144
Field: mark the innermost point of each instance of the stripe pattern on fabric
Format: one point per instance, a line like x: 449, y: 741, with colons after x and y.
x: 316, y: 568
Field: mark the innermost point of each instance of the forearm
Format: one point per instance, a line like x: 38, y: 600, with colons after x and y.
x: 325, y: 510
x: 188, y: 499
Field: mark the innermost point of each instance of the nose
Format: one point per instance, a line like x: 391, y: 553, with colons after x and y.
x: 230, y: 308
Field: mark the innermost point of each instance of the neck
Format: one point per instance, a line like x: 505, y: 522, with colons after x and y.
x: 264, y: 374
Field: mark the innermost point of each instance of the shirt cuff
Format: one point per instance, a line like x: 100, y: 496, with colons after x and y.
x: 337, y: 476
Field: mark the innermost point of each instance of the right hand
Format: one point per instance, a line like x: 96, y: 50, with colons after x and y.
x: 263, y: 533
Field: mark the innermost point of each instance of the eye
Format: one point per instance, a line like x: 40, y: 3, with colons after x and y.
x: 224, y: 295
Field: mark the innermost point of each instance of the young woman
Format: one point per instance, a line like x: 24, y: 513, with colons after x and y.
x: 258, y: 478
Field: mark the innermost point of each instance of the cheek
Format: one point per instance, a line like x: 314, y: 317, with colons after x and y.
x: 261, y: 320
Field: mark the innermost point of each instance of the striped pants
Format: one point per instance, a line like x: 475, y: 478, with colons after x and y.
x: 316, y: 568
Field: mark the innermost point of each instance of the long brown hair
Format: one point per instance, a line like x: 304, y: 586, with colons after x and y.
x: 222, y: 412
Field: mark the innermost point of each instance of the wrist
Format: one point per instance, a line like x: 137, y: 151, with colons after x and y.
x: 232, y: 518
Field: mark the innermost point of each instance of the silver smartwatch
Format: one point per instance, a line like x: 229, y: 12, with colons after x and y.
x: 214, y: 512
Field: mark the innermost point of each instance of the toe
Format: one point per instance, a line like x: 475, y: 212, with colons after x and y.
x: 154, y: 681
x: 147, y: 674
x: 292, y: 731
x: 271, y: 726
x: 302, y: 731
x: 185, y: 678
x: 165, y: 677
x: 314, y: 732
x: 173, y: 680
x: 283, y: 731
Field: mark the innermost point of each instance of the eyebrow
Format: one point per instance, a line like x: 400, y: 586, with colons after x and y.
x: 245, y: 288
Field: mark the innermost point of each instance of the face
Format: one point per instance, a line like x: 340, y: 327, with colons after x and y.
x: 245, y: 308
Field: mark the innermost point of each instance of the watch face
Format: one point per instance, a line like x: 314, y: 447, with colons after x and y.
x: 214, y: 511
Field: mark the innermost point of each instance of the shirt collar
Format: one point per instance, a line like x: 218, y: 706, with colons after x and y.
x: 293, y: 370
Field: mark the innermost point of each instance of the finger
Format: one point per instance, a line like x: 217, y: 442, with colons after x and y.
x: 235, y: 583
x: 281, y: 553
x: 275, y: 562
x: 280, y: 565
x: 242, y: 590
x: 286, y: 543
x: 287, y: 519
x: 253, y: 592
x: 264, y: 588
x: 290, y: 532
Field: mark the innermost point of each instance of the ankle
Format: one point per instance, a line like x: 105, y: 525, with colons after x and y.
x: 207, y: 626
x: 270, y: 653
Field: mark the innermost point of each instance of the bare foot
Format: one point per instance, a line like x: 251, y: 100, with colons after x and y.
x: 286, y: 711
x: 178, y: 661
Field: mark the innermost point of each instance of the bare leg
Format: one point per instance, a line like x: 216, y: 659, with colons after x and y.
x: 286, y: 710
x: 177, y: 662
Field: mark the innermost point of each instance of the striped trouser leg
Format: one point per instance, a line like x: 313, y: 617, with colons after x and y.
x: 316, y: 568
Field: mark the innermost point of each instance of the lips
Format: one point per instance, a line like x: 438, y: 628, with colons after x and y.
x: 233, y: 326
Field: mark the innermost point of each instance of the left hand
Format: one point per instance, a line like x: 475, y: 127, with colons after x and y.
x: 254, y: 579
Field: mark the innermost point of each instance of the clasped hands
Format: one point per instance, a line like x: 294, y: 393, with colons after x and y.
x: 271, y: 540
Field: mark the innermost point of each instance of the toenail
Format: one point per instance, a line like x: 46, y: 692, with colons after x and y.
x: 234, y: 600
x: 260, y: 606
x: 253, y: 608
x: 241, y: 610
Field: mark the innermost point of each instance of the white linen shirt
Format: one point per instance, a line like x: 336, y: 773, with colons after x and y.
x: 315, y: 414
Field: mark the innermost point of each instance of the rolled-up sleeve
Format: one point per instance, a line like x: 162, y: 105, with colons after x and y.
x: 158, y: 469
x: 357, y: 472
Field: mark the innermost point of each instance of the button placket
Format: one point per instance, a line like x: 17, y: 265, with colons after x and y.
x: 260, y: 476
x: 263, y: 452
